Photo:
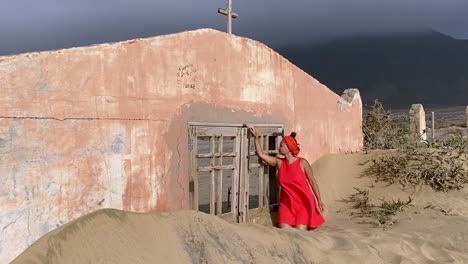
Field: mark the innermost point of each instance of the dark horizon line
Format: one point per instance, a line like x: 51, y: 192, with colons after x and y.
x: 315, y: 42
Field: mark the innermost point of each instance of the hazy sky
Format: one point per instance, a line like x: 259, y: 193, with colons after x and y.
x: 31, y: 25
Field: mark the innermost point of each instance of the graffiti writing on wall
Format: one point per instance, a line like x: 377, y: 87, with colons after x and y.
x: 187, y: 76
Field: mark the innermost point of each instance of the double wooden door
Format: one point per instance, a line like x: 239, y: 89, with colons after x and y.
x: 227, y: 178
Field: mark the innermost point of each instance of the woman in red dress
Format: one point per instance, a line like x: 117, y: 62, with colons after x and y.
x: 299, y: 191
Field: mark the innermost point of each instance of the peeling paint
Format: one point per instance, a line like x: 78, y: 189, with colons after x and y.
x: 42, y: 87
x: 117, y: 144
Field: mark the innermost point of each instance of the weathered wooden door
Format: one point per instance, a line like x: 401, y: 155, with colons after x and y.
x: 259, y: 180
x: 226, y: 177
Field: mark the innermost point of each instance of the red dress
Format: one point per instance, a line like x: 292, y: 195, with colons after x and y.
x: 297, y: 203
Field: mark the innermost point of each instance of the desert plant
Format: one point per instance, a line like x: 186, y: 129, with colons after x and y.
x: 442, y: 169
x: 457, y: 141
x: 440, y: 209
x: 380, y: 215
x: 380, y: 132
x: 387, y: 168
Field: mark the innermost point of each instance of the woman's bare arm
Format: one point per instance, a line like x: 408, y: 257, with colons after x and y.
x: 272, y: 161
x: 313, y: 183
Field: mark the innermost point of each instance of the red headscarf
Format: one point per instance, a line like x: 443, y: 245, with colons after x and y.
x: 292, y: 145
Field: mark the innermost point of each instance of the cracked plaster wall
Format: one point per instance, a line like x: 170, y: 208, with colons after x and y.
x: 106, y: 126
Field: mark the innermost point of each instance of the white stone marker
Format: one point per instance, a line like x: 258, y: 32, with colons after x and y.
x: 417, y: 118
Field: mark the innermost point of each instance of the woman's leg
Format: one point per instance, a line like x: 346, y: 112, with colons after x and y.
x: 301, y: 227
x: 283, y: 225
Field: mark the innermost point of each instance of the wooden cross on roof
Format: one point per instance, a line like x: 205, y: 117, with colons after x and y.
x: 229, y: 14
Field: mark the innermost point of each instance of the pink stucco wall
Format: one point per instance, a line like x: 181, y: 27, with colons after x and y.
x: 106, y: 126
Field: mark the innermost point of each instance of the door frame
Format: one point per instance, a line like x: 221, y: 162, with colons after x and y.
x: 240, y: 211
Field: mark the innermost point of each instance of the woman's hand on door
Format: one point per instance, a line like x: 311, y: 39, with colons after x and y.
x: 253, y: 131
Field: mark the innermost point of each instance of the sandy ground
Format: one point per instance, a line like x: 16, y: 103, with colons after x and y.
x: 434, y: 230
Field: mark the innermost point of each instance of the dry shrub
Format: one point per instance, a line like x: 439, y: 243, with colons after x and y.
x: 456, y: 142
x: 442, y: 164
x: 378, y: 215
x: 380, y: 132
x: 387, y: 168
x: 442, y: 169
x: 447, y: 212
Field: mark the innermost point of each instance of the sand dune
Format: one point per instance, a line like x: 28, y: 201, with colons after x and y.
x: 434, y: 230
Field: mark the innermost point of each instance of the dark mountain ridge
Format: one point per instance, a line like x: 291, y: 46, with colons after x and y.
x: 400, y: 69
